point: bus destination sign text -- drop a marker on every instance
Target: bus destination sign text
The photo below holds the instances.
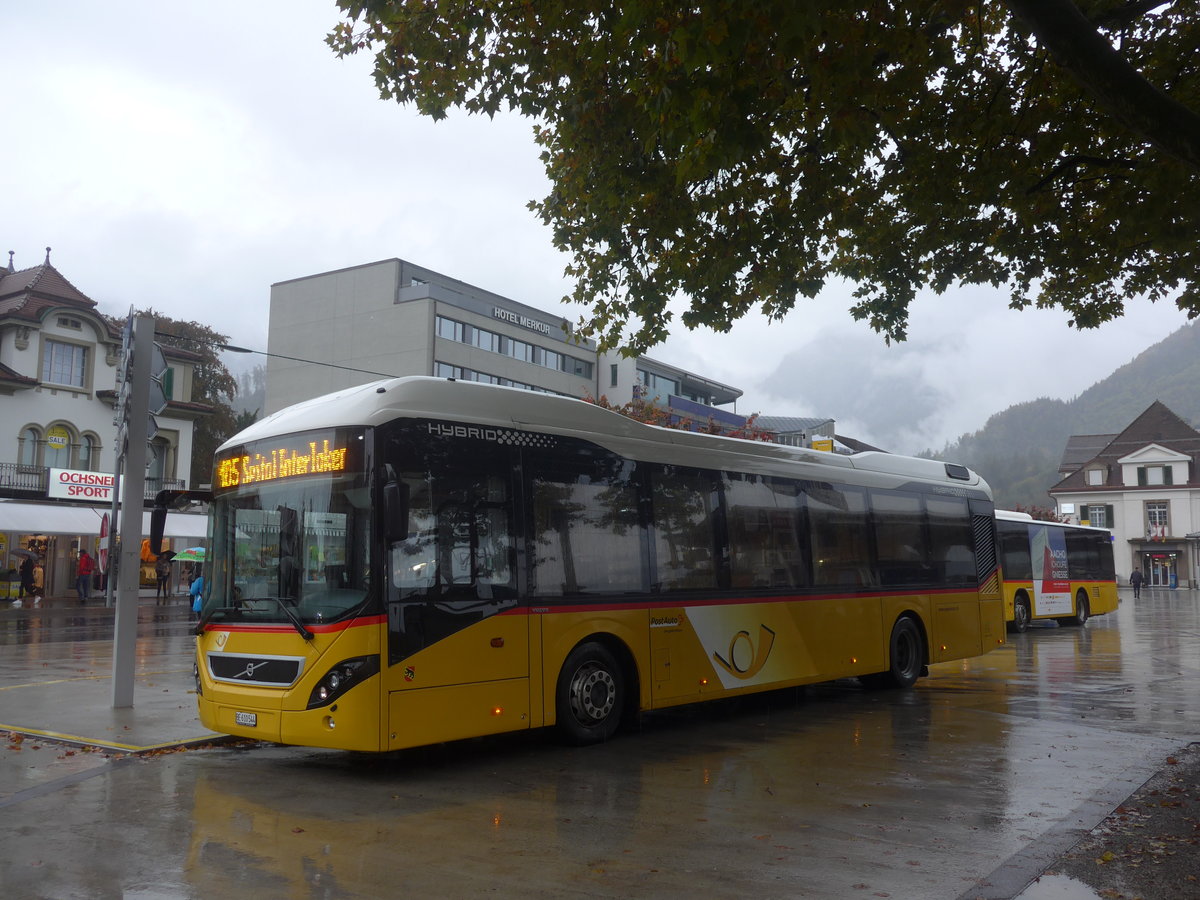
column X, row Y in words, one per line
column 279, row 464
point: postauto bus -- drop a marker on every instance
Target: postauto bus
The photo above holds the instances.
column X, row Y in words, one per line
column 420, row 560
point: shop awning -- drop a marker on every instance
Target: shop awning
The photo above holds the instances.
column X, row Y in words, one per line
column 60, row 518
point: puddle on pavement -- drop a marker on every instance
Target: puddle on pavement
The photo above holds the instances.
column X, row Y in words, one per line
column 1058, row 887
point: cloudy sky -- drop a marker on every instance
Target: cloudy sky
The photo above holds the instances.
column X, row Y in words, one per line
column 185, row 157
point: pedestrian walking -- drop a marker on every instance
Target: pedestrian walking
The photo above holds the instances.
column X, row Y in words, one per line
column 83, row 576
column 26, row 572
column 39, row 581
column 1136, row 580
column 162, row 570
column 197, row 593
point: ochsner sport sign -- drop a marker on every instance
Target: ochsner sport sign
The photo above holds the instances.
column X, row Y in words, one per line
column 73, row 484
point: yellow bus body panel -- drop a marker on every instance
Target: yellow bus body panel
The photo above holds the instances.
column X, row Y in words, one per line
column 501, row 674
column 450, row 713
column 1102, row 598
column 473, row 682
column 352, row 722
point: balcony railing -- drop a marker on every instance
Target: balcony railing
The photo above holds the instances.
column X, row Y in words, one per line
column 17, row 480
column 15, row 477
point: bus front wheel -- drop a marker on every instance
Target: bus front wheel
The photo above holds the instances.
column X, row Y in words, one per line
column 1021, row 615
column 906, row 657
column 590, row 698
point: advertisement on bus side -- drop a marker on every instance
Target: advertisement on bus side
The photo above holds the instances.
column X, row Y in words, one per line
column 1051, row 577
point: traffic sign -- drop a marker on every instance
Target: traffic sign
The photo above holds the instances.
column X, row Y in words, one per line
column 103, row 553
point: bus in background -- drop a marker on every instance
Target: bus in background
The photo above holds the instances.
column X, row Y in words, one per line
column 1053, row 571
column 420, row 560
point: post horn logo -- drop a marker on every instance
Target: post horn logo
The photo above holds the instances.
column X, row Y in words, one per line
column 746, row 661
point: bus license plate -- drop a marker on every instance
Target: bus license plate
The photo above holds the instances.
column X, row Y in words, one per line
column 245, row 718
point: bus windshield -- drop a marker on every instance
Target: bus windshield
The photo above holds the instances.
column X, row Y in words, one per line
column 290, row 536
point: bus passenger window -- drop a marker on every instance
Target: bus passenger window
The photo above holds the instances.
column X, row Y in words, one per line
column 837, row 518
column 763, row 516
column 586, row 534
column 684, row 501
column 952, row 540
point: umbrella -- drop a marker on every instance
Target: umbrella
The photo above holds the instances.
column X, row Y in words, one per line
column 191, row 554
column 17, row 551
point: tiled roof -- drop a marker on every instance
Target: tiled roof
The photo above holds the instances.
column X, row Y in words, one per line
column 789, row 424
column 26, row 293
column 8, row 376
column 1157, row 425
column 854, row 445
column 1082, row 447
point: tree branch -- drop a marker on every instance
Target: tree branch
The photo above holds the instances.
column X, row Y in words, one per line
column 1111, row 80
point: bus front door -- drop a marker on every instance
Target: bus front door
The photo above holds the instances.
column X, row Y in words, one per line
column 458, row 654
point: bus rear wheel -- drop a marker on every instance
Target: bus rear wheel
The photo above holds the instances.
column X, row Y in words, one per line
column 1021, row 615
column 590, row 698
column 1082, row 611
column 906, row 657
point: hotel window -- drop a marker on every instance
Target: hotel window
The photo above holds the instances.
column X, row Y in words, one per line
column 521, row 350
column 64, row 364
column 485, row 340
column 450, row 330
column 657, row 385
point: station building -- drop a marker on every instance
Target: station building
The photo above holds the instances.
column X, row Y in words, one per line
column 1142, row 484
column 392, row 317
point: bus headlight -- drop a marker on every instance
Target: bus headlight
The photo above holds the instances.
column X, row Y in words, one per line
column 341, row 677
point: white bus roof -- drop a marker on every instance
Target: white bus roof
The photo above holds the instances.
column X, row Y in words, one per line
column 1009, row 515
column 466, row 401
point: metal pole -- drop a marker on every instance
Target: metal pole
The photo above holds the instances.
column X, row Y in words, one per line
column 129, row 569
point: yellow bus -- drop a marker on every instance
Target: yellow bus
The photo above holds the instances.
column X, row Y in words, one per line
column 1054, row 572
column 421, row 560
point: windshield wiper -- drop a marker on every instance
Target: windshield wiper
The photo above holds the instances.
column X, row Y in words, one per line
column 294, row 619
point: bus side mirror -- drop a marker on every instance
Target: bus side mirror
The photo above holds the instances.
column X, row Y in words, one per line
column 158, row 524
column 395, row 510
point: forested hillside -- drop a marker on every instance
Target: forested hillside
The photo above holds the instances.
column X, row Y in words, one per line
column 1019, row 449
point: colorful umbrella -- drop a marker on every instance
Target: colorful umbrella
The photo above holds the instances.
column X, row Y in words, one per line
column 191, row 554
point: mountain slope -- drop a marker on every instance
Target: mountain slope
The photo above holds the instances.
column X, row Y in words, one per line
column 1018, row 449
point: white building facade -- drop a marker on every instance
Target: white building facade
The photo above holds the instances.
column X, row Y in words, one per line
column 1144, row 486
column 58, row 368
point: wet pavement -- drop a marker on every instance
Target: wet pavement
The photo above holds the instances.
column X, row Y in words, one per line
column 56, row 675
column 969, row 786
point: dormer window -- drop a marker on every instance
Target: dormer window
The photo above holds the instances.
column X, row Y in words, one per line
column 1095, row 476
column 1151, row 475
column 69, row 322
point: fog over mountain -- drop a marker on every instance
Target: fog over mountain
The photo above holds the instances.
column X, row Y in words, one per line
column 1019, row 449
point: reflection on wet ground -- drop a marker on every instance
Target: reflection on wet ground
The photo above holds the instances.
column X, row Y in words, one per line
column 87, row 623
column 966, row 787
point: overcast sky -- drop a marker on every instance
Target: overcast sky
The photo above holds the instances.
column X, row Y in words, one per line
column 186, row 156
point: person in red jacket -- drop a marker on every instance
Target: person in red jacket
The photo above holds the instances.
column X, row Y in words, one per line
column 83, row 576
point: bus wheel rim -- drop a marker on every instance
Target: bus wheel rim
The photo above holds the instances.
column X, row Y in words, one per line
column 593, row 693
